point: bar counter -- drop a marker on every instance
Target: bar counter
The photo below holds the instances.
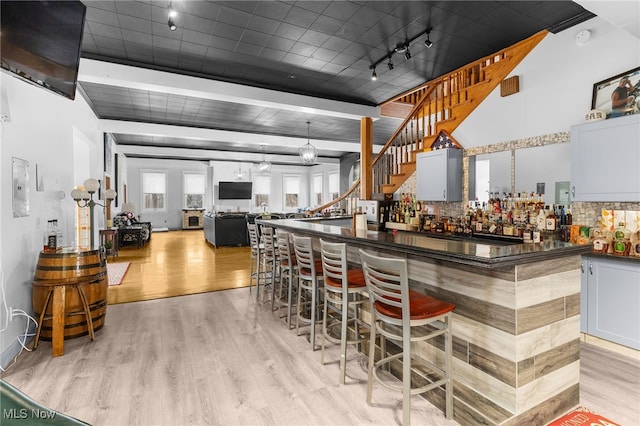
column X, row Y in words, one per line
column 516, row 325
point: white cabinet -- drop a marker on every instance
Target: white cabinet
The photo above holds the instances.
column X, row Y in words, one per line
column 605, row 160
column 439, row 175
column 610, row 300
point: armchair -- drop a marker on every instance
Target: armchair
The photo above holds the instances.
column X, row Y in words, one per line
column 130, row 229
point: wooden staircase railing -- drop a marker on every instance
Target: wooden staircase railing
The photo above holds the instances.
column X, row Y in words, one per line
column 440, row 104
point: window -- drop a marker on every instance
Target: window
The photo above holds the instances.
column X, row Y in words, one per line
column 291, row 186
column 317, row 188
column 154, row 190
column 334, row 185
column 193, row 187
column 262, row 190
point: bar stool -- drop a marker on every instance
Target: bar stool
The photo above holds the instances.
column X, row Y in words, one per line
column 56, row 297
column 343, row 291
column 405, row 316
column 257, row 251
column 287, row 272
column 269, row 261
column 309, row 277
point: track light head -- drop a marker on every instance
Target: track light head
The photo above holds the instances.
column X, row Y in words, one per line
column 428, row 43
column 407, row 53
column 171, row 24
column 374, row 76
column 390, row 63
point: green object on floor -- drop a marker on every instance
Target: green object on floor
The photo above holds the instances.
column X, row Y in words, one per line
column 18, row 409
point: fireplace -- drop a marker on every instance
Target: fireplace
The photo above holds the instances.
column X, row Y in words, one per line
column 192, row 218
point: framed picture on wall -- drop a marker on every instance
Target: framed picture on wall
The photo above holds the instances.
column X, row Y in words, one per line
column 618, row 95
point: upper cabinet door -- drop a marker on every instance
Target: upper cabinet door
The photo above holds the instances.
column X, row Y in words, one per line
column 605, row 160
column 439, row 175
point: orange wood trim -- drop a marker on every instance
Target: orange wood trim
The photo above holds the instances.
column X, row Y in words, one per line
column 366, row 155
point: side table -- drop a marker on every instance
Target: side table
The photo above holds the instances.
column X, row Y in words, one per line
column 109, row 240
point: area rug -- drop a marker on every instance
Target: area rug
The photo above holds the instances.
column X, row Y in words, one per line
column 582, row 416
column 116, row 272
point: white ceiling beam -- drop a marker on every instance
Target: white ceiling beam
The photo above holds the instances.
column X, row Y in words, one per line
column 214, row 155
column 241, row 139
column 108, row 73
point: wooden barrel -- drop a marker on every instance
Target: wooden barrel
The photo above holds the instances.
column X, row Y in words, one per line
column 60, row 268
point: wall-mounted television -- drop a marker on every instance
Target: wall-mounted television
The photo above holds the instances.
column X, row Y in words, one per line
column 234, row 190
column 41, row 42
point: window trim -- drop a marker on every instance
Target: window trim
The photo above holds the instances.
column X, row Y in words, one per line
column 284, row 194
column 143, row 208
column 184, row 194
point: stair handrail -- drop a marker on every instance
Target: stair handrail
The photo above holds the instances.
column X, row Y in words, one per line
column 428, row 89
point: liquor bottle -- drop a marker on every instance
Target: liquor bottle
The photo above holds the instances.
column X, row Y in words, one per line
column 550, row 221
column 50, row 238
column 58, row 232
column 541, row 220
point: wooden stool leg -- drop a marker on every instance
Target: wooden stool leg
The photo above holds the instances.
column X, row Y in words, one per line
column 57, row 335
column 41, row 320
column 87, row 311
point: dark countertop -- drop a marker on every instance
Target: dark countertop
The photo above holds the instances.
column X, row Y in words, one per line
column 630, row 259
column 469, row 252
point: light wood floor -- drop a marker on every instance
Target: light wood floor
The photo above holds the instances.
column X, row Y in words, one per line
column 176, row 263
column 220, row 358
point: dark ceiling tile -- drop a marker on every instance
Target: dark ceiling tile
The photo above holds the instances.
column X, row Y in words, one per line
column 342, row 10
column 254, row 37
column 326, row 25
column 314, row 38
column 231, row 32
column 196, row 37
column 336, row 43
column 135, row 24
column 197, row 50
column 233, row 16
column 272, row 54
column 263, row 25
column 301, row 17
column 289, row 31
column 272, row 9
column 198, row 24
column 248, row 49
column 303, row 49
column 324, row 54
column 106, row 17
column 133, row 8
column 101, row 30
column 136, row 37
column 279, row 43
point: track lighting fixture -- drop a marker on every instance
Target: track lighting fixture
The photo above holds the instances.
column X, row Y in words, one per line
column 407, row 53
column 171, row 12
column 428, row 43
column 401, row 48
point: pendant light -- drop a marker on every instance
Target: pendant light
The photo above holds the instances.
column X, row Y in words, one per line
column 308, row 153
column 239, row 173
column 264, row 166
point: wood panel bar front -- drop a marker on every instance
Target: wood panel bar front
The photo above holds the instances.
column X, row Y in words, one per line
column 516, row 325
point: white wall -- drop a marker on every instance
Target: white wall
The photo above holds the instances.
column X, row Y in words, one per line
column 556, row 83
column 222, row 171
column 172, row 217
column 41, row 131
